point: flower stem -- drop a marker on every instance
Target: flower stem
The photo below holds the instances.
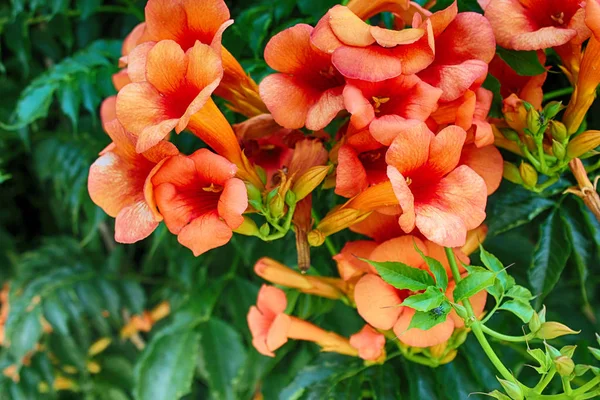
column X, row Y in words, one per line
column 558, row 93
column 476, row 325
column 507, row 338
column 546, row 379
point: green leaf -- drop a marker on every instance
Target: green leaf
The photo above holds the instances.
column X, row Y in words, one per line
column 493, row 85
column 70, row 100
column 472, row 284
column 550, row 256
column 520, row 308
column 512, row 206
column 428, row 300
column 88, row 7
column 222, row 356
column 428, row 319
column 436, row 268
column 525, row 63
column 493, row 264
column 402, row 276
column 463, row 5
column 166, row 367
column 519, row 292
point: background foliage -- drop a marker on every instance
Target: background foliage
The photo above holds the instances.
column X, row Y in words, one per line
column 57, row 251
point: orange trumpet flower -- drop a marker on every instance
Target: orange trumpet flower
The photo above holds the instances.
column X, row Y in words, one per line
column 348, row 262
column 307, row 91
column 440, row 199
column 119, row 181
column 527, row 88
column 200, row 199
column 369, row 343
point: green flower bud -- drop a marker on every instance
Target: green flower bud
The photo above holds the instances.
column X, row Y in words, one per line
column 568, row 351
column 265, row 229
column 512, row 389
column 564, row 365
column 559, row 150
column 290, row 198
column 528, row 174
column 595, row 352
column 552, row 330
column 533, row 121
column 511, row 173
column 510, row 134
column 552, row 351
column 276, row 206
column 552, row 109
column 248, row 227
column 558, row 130
column 535, row 323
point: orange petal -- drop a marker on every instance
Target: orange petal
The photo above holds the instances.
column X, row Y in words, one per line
column 468, row 37
column 349, row 28
column 361, row 109
column 445, row 150
column 406, row 199
column 233, row 202
column 385, row 129
column 419, row 338
column 205, row 18
column 134, row 222
column 377, row 302
column 455, row 80
column 441, row 19
column 451, row 207
column 288, row 99
column 487, row 162
column 278, row 333
column 329, row 104
column 120, row 79
column 212, row 168
column 369, row 343
column 166, row 65
column 348, row 262
column 371, row 63
column 351, row 177
column 136, row 64
column 323, row 37
column 379, row 227
column 108, row 110
column 271, row 301
column 205, row 233
column 400, row 249
column 410, row 149
column 290, row 50
column 392, row 38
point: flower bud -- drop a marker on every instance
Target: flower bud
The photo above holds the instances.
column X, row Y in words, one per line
column 513, row 390
column 552, row 351
column 309, row 181
column 160, row 311
column 552, row 330
column 568, row 350
column 276, row 206
column 99, row 346
column 265, row 229
column 535, row 323
column 510, row 134
column 511, row 173
column 315, row 238
column 533, row 121
column 449, row 357
column 595, row 352
column 583, row 143
column 515, row 113
column 528, row 174
column 93, row 367
column 438, row 350
column 559, row 150
column 247, row 228
column 564, row 365
column 558, row 130
column 254, row 196
column 552, row 109
column 460, row 337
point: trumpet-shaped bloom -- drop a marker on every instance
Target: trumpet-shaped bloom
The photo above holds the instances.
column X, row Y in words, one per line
column 379, row 227
column 487, row 162
column 535, row 24
column 370, row 53
column 119, row 182
column 422, row 338
column 377, row 104
column 200, row 199
column 528, row 88
column 369, row 343
column 348, row 262
column 267, row 334
column 307, row 90
column 463, row 51
column 378, row 302
column 168, row 92
column 440, row 199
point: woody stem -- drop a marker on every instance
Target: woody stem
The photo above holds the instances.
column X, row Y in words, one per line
column 476, row 324
column 587, row 190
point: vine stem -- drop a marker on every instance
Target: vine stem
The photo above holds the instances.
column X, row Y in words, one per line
column 558, row 93
column 476, row 326
column 507, row 338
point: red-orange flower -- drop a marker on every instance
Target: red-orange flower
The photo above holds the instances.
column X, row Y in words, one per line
column 535, row 24
column 422, row 338
column 171, row 90
column 307, row 91
column 348, row 262
column 486, row 161
column 370, row 53
column 200, row 199
column 119, row 182
column 440, row 199
column 369, row 343
column 528, row 88
column 377, row 104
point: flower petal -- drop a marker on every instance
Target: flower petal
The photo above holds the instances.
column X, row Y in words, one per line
column 233, row 202
column 407, row 219
column 445, row 150
column 204, row 233
column 288, row 99
column 371, row 63
column 351, row 177
column 400, row 249
column 166, row 66
column 410, row 149
column 329, row 104
column 419, row 338
column 377, row 302
column 134, row 222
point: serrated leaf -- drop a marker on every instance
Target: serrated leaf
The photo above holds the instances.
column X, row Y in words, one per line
column 524, row 63
column 520, row 308
column 519, row 292
column 166, row 367
column 428, row 300
column 436, row 268
column 222, row 356
column 550, row 257
column 402, row 276
column 428, row 319
column 472, row 284
column 492, row 263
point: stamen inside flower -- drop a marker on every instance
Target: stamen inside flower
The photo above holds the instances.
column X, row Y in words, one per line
column 559, row 18
column 213, row 188
column 378, row 101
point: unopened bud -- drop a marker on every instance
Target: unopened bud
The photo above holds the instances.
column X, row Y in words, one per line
column 99, row 346
column 449, row 357
column 552, row 330
column 552, row 109
column 552, row 351
column 290, row 198
column 512, row 389
column 559, row 150
column 247, row 228
column 160, row 311
column 564, row 365
column 93, row 367
column 460, row 337
column 254, row 196
column 595, row 352
column 533, row 121
column 309, row 181
column 315, row 238
column 276, row 206
column 535, row 323
column 510, row 134
column 528, row 174
column 511, row 173
column 438, row 350
column 265, row 229
column 583, row 143
column 558, row 130
column 568, row 350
